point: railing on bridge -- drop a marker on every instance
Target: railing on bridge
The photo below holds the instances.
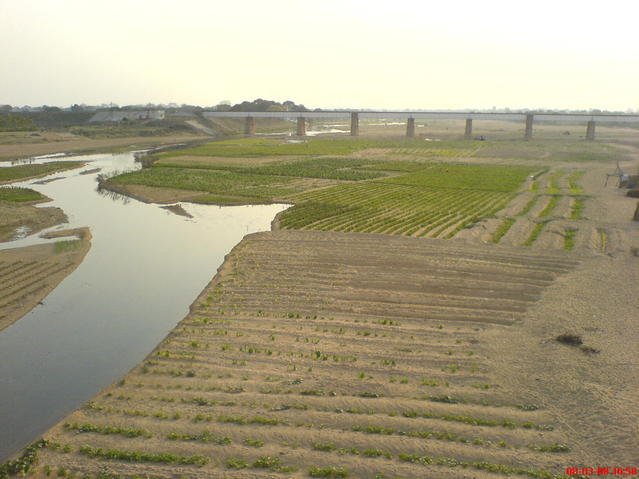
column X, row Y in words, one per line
column 411, row 116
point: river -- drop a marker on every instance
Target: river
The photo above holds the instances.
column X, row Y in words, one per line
column 145, row 267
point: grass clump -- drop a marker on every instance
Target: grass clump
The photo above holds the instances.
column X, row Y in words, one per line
column 272, row 463
column 66, row 246
column 528, row 206
column 575, row 189
column 236, row 463
column 502, row 230
column 569, row 239
column 577, row 208
column 324, row 446
column 556, row 447
column 328, row 471
column 24, row 463
column 534, row 234
column 552, row 204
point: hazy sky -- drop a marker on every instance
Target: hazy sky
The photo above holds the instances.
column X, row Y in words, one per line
column 349, row 53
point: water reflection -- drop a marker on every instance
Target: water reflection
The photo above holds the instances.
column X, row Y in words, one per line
column 112, row 195
column 145, row 267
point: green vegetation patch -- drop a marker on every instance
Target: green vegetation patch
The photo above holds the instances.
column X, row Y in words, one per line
column 19, row 195
column 505, row 226
column 526, row 209
column 569, row 239
column 217, row 182
column 11, row 122
column 66, row 246
column 550, row 206
column 575, row 189
column 490, row 178
column 253, row 147
column 22, row 465
column 328, row 168
column 534, row 234
column 577, row 208
column 437, row 202
column 328, row 471
column 13, row 173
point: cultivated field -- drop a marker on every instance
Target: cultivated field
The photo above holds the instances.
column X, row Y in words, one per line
column 426, row 309
column 328, row 355
column 540, row 193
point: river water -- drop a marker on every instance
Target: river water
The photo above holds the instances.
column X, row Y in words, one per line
column 145, row 267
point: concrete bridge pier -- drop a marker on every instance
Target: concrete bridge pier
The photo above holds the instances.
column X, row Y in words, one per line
column 249, row 126
column 410, row 128
column 529, row 126
column 590, row 131
column 469, row 129
column 301, row 126
column 354, row 124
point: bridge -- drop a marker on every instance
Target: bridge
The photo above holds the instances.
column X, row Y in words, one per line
column 528, row 119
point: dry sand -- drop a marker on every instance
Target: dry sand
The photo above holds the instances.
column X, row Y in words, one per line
column 29, row 274
column 304, row 336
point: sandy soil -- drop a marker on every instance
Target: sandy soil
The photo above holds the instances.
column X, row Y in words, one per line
column 311, row 337
column 28, row 275
column 77, row 144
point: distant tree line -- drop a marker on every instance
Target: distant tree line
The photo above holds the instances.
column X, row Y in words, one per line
column 10, row 122
column 262, row 105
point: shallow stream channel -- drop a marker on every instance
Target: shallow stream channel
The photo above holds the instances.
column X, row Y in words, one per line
column 145, row 267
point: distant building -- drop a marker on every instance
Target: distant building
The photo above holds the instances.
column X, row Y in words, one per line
column 105, row 116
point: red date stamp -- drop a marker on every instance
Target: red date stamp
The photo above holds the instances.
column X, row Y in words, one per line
column 601, row 471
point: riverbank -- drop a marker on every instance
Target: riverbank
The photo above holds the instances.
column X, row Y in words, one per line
column 29, row 274
column 76, row 145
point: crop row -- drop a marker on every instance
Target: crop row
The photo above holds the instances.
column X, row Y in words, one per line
column 392, row 209
column 326, row 168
